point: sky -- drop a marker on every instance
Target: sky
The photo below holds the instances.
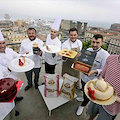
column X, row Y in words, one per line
column 83, row 10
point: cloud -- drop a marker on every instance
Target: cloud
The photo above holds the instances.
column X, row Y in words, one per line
column 97, row 10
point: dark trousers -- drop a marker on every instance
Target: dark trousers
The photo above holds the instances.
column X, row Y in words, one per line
column 86, row 99
column 49, row 68
column 36, row 75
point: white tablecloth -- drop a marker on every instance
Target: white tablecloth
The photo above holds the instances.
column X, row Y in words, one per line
column 5, row 109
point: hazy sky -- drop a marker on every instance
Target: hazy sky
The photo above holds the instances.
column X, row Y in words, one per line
column 95, row 10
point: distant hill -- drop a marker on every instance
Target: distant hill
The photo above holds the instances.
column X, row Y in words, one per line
column 115, row 27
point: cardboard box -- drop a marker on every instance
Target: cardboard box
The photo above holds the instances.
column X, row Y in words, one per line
column 85, row 61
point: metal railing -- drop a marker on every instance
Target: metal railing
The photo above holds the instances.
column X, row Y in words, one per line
column 111, row 48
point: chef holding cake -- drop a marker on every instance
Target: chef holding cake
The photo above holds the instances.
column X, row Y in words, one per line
column 7, row 55
column 35, row 46
column 111, row 74
column 97, row 67
column 6, row 108
column 52, row 39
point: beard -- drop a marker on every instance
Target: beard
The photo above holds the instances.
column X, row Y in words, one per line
column 32, row 38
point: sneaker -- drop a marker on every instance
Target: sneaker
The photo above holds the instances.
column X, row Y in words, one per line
column 79, row 110
column 80, row 99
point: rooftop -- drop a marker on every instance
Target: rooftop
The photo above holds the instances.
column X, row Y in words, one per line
column 33, row 107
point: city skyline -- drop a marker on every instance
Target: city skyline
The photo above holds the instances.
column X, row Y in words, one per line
column 81, row 10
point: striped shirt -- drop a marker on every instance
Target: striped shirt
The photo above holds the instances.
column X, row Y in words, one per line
column 111, row 74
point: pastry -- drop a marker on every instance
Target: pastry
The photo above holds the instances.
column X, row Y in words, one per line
column 81, row 67
column 99, row 89
column 48, row 48
column 20, row 62
column 23, row 58
column 71, row 52
column 7, row 89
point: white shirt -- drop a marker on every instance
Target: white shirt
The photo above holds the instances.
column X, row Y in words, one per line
column 68, row 44
column 27, row 46
column 48, row 56
column 98, row 64
column 5, row 108
column 8, row 56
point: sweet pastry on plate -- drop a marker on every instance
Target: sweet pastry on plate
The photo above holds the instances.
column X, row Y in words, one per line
column 20, row 62
column 100, row 90
column 7, row 89
column 48, row 48
column 71, row 52
column 23, row 58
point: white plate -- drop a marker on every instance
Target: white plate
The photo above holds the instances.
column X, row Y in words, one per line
column 53, row 48
column 27, row 55
column 14, row 65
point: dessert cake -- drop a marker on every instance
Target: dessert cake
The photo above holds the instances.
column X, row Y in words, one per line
column 99, row 89
column 20, row 61
column 7, row 89
column 48, row 48
column 82, row 67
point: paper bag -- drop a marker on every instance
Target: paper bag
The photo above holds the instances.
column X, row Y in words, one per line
column 51, row 85
column 68, row 87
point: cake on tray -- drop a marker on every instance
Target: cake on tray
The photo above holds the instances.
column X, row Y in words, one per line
column 7, row 89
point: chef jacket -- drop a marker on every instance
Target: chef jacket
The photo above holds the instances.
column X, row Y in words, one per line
column 48, row 56
column 27, row 46
column 98, row 64
column 5, row 108
column 68, row 44
column 8, row 56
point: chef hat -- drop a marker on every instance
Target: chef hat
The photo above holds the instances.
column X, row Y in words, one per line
column 1, row 36
column 56, row 24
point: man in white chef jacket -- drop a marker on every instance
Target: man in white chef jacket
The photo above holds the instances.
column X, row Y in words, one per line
column 6, row 112
column 7, row 55
column 100, row 59
column 52, row 39
column 27, row 46
column 71, row 44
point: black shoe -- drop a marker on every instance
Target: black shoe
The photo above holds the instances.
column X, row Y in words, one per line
column 27, row 87
column 43, row 83
column 18, row 98
column 36, row 86
column 16, row 113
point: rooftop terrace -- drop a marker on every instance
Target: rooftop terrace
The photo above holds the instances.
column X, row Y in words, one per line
column 33, row 107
